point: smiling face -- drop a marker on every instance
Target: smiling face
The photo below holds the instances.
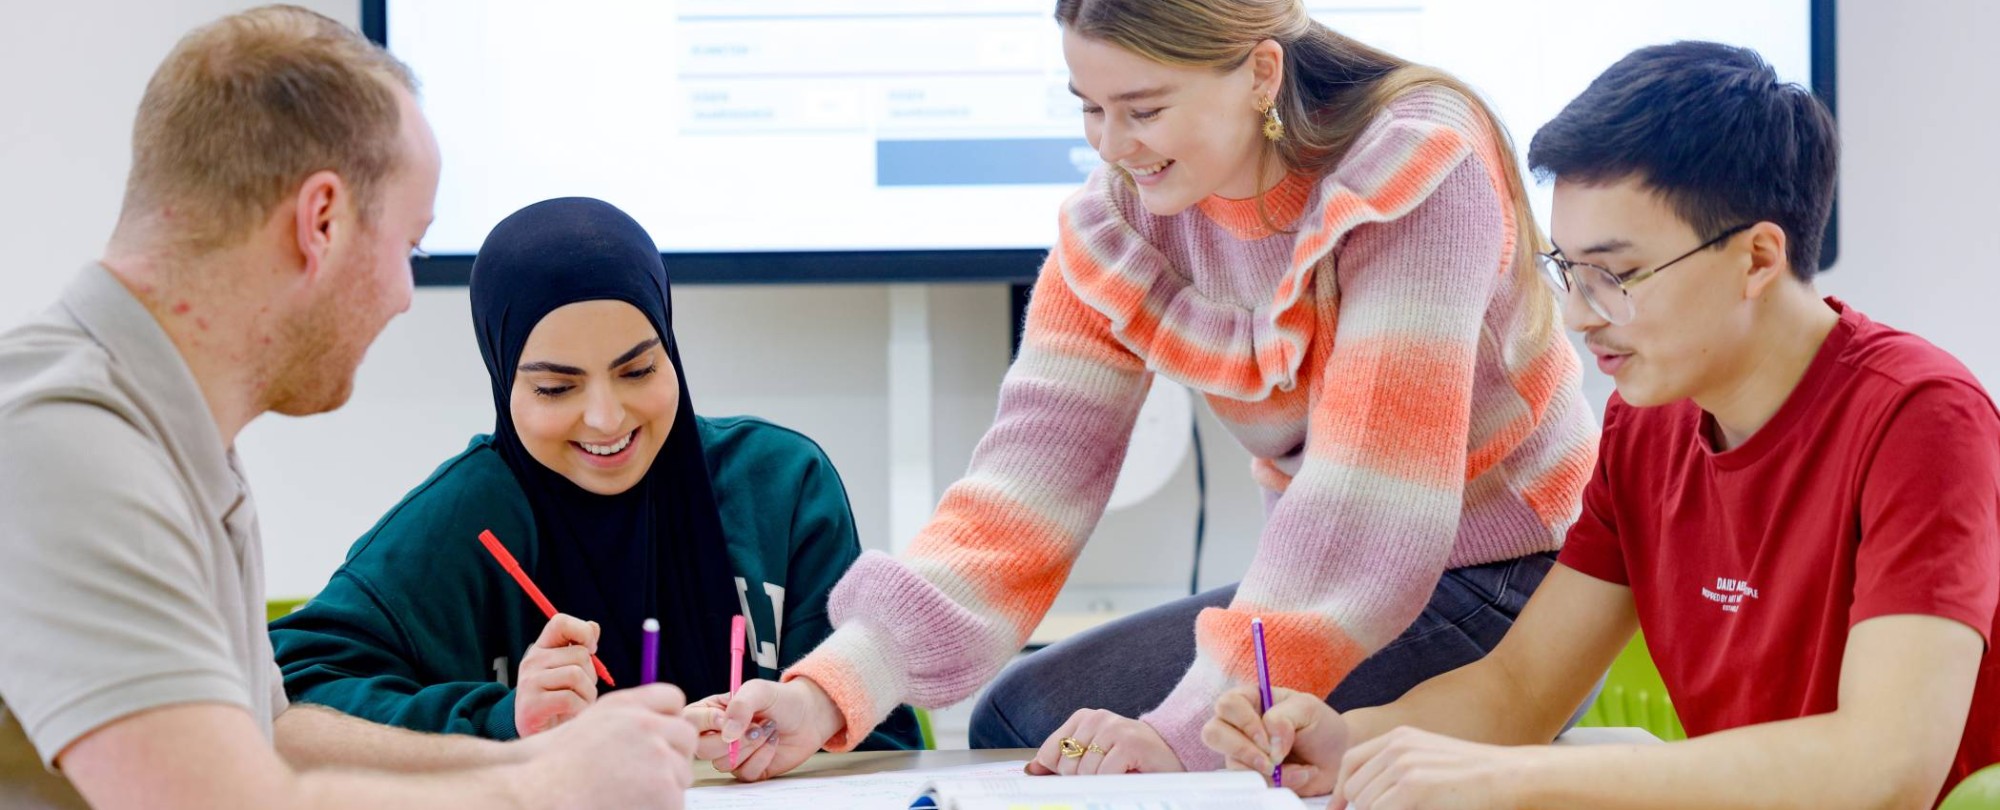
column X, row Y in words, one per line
column 1183, row 133
column 595, row 395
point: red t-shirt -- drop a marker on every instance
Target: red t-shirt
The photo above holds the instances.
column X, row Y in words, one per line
column 1874, row 491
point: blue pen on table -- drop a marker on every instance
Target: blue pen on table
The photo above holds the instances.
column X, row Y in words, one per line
column 649, row 651
column 1264, row 686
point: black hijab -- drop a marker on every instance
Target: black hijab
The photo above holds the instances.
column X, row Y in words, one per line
column 656, row 550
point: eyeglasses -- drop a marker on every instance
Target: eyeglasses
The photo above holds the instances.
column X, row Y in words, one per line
column 1609, row 295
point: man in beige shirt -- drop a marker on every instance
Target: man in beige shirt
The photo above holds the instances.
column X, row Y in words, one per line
column 282, row 174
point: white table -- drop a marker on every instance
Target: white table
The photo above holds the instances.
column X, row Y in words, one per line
column 861, row 762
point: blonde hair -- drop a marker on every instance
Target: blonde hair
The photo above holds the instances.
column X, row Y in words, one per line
column 1333, row 87
column 246, row 107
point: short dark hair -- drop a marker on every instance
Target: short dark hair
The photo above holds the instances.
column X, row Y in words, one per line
column 1714, row 131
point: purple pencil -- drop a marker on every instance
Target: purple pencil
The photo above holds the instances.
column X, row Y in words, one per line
column 1264, row 686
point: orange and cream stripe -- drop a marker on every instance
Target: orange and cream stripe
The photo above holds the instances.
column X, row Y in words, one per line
column 1376, row 362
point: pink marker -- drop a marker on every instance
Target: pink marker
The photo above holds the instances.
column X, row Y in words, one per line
column 735, row 672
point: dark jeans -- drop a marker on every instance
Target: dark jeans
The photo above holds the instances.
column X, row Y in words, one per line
column 1129, row 666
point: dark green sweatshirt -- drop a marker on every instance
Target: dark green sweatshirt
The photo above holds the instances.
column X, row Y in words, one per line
column 420, row 628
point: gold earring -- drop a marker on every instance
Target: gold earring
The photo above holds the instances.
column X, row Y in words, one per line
column 1274, row 127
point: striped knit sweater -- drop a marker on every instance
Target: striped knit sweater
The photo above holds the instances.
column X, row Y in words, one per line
column 1407, row 405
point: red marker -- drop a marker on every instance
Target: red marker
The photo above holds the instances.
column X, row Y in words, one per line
column 506, row 561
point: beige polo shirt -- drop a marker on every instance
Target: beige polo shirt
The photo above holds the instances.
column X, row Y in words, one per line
column 131, row 573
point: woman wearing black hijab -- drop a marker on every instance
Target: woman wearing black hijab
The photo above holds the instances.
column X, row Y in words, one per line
column 616, row 499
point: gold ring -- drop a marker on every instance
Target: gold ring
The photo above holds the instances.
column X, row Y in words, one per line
column 1094, row 748
column 1071, row 749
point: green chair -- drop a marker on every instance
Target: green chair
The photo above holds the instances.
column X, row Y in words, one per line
column 276, row 608
column 1980, row 791
column 924, row 726
column 1634, row 695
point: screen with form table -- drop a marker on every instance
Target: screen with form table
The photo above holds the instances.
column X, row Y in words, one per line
column 829, row 126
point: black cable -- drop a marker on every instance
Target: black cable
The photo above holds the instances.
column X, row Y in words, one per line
column 1201, row 503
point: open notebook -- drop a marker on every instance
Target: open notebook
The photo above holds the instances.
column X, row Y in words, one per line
column 1220, row 790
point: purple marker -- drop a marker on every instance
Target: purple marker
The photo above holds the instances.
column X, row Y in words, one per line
column 1264, row 686
column 649, row 653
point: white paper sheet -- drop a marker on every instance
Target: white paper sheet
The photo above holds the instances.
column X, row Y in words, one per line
column 891, row 790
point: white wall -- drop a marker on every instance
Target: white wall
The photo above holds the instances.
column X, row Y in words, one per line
column 1920, row 191
column 1919, row 251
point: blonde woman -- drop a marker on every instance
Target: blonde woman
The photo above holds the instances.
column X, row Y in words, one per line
column 1333, row 246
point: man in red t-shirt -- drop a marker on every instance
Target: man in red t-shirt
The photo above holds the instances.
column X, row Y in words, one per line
column 1800, row 506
